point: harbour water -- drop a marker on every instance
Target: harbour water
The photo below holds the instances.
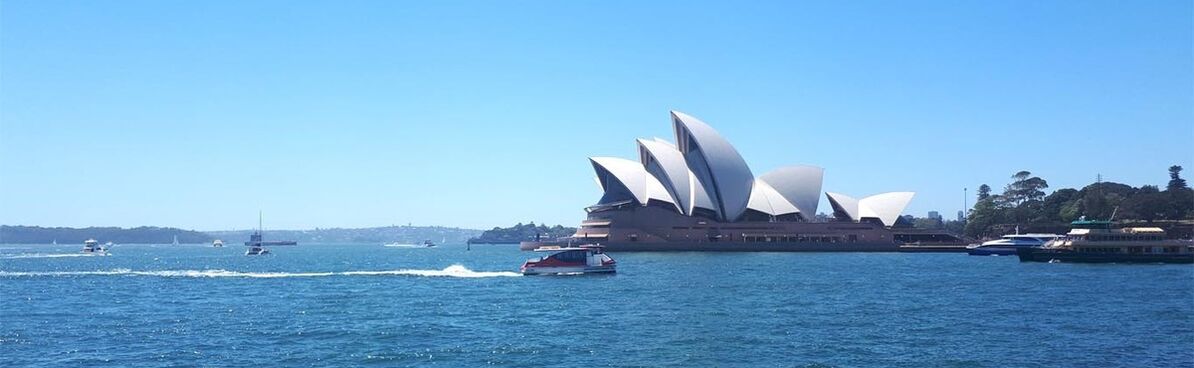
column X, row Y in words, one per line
column 365, row 304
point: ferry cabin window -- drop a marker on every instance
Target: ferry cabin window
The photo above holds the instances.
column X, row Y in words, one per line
column 571, row 256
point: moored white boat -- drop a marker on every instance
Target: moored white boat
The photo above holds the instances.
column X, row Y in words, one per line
column 1007, row 245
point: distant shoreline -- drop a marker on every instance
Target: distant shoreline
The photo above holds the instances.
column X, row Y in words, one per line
column 165, row 235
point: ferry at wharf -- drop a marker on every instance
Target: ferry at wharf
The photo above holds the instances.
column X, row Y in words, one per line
column 1098, row 242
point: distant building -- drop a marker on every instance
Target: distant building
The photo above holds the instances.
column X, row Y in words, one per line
column 961, row 215
column 934, row 215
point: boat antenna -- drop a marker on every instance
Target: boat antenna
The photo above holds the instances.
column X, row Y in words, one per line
column 260, row 222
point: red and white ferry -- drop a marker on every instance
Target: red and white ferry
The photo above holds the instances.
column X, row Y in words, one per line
column 570, row 260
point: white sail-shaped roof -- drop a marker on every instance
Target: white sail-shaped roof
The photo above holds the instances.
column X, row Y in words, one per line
column 667, row 164
column 887, row 207
column 716, row 164
column 699, row 197
column 843, row 204
column 765, row 199
column 620, row 178
column 799, row 184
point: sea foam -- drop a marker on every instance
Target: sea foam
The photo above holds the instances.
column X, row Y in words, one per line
column 60, row 255
column 450, row 271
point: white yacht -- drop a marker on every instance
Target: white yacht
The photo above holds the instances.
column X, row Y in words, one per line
column 1007, row 245
column 218, row 243
column 256, row 251
column 91, row 246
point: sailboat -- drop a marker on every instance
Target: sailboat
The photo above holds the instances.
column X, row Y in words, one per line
column 175, row 240
column 256, row 243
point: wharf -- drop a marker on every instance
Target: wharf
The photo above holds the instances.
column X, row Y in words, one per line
column 933, row 248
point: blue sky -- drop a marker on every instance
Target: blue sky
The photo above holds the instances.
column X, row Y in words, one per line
column 479, row 113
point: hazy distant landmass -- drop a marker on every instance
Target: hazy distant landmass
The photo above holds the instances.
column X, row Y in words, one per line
column 402, row 234
column 165, row 235
column 67, row 235
column 522, row 232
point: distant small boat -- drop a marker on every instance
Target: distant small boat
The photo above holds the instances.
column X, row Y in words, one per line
column 55, row 242
column 175, row 240
column 256, row 251
column 425, row 244
column 91, row 246
column 257, row 243
column 218, row 243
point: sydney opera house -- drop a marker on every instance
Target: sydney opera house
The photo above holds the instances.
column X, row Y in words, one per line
column 699, row 194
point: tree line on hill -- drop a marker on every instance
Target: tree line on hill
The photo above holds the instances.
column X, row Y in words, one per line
column 1024, row 203
column 67, row 235
column 165, row 235
column 386, row 234
column 522, row 232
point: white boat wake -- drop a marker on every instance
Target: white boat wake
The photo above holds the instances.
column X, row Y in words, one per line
column 450, row 271
column 61, row 255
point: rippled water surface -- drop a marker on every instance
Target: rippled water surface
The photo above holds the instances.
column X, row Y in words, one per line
column 352, row 305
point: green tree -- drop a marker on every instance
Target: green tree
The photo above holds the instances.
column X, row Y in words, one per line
column 1147, row 204
column 1024, row 187
column 985, row 215
column 1179, row 196
column 1052, row 208
column 984, row 192
column 1100, row 200
column 1176, row 182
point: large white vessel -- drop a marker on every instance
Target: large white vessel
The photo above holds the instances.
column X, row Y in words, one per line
column 1007, row 245
column 1092, row 241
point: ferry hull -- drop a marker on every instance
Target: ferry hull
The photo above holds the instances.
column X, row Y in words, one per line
column 567, row 270
column 992, row 251
column 732, row 247
column 1065, row 256
column 750, row 247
